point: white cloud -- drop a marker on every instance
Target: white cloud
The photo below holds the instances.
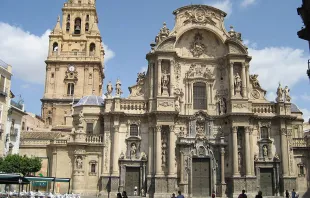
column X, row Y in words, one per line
column 246, row 3
column 27, row 52
column 25, row 86
column 305, row 97
column 278, row 64
column 271, row 96
column 109, row 54
column 224, row 5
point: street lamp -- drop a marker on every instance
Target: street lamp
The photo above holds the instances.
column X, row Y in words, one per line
column 19, row 182
column 308, row 71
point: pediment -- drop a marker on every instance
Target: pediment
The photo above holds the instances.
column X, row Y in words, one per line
column 236, row 48
column 166, row 45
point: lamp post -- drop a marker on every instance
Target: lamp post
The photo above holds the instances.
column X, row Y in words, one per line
column 19, row 182
column 308, row 71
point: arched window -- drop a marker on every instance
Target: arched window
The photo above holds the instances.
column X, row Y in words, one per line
column 134, row 131
column 77, row 26
column 92, row 49
column 87, row 17
column 199, row 95
column 49, row 122
column 55, row 47
column 68, row 18
column 264, row 133
column 70, row 89
column 68, row 27
column 86, row 27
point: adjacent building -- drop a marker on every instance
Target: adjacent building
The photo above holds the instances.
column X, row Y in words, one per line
column 196, row 121
column 5, row 98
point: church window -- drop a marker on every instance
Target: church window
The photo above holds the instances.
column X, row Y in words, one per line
column 92, row 49
column 200, row 96
column 93, row 168
column 89, row 128
column 68, row 18
column 86, row 27
column 52, row 75
column 77, row 26
column 134, row 131
column 68, row 27
column 55, row 47
column 301, row 170
column 70, row 90
column 49, row 121
column 87, row 17
column 264, row 133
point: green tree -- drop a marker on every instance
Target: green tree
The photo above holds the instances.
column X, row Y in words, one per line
column 20, row 164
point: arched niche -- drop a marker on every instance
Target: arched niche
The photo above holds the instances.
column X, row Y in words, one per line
column 200, row 43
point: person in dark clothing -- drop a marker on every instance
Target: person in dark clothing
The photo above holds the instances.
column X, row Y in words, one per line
column 125, row 194
column 293, row 194
column 180, row 195
column 243, row 195
column 119, row 195
column 259, row 195
column 173, row 195
column 287, row 194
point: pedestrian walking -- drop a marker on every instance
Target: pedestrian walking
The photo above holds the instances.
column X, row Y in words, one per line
column 293, row 194
column 125, row 194
column 119, row 195
column 259, row 195
column 287, row 194
column 180, row 195
column 173, row 195
column 243, row 195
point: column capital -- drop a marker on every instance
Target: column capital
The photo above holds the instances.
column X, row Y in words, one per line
column 234, row 129
column 159, row 61
column 243, row 64
column 171, row 127
column 158, row 128
column 116, row 128
column 222, row 151
column 283, row 131
column 231, row 64
column 247, row 129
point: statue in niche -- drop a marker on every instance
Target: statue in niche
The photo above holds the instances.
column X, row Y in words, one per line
column 222, row 106
column 133, row 151
column 118, row 88
column 79, row 162
column 197, row 47
column 239, row 161
column 109, row 89
column 265, row 151
column 200, row 131
column 81, row 116
column 279, row 94
column 177, row 104
column 237, row 83
column 165, row 83
column 164, row 153
column 287, row 96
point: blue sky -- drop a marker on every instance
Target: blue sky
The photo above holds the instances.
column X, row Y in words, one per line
column 128, row 27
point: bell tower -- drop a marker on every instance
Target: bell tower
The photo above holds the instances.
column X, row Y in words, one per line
column 74, row 66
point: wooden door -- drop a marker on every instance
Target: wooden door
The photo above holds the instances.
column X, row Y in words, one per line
column 201, row 180
column 132, row 180
column 266, row 181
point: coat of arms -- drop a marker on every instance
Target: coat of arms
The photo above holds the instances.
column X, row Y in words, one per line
column 197, row 47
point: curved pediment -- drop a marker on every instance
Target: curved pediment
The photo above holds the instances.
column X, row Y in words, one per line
column 199, row 43
column 167, row 44
column 236, row 47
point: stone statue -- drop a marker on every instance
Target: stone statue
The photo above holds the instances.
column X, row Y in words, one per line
column 165, row 80
column 197, row 47
column 133, row 151
column 239, row 161
column 118, row 88
column 237, row 83
column 222, row 106
column 255, row 81
column 79, row 162
column 143, row 156
column 81, row 116
column 109, row 89
column 255, row 157
column 279, row 94
column 164, row 154
column 287, row 97
column 177, row 104
column 276, row 157
column 265, row 151
column 142, row 192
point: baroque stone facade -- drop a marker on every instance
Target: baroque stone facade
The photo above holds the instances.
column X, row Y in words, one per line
column 196, row 121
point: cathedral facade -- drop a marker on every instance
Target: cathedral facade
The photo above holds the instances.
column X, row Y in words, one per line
column 196, row 121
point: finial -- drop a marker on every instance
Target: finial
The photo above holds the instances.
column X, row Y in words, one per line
column 164, row 24
column 58, row 19
column 232, row 28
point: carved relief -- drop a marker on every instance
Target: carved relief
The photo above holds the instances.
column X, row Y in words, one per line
column 199, row 71
column 177, row 74
column 239, row 106
column 255, row 94
column 197, row 48
column 167, row 45
column 138, row 89
column 199, row 16
column 164, row 148
column 165, row 104
column 79, row 162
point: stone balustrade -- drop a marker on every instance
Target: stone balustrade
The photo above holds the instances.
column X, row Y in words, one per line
column 96, row 139
column 264, row 108
column 58, row 142
column 133, row 106
column 299, row 142
column 35, row 142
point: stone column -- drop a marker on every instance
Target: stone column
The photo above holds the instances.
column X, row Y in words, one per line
column 181, row 167
column 171, row 78
column 247, row 67
column 244, row 85
column 159, row 77
column 115, row 170
column 223, row 165
column 247, row 152
column 151, row 79
column 231, row 79
column 251, row 152
column 284, row 151
column 151, row 154
column 158, row 170
column 236, row 172
column 172, row 146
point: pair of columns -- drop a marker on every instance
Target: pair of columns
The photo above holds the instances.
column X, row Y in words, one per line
column 155, row 151
column 244, row 79
column 247, row 149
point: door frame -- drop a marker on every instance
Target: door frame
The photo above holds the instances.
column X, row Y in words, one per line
column 275, row 166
